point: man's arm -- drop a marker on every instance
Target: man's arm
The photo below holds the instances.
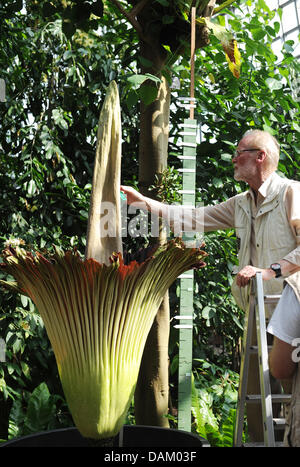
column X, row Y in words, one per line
column 201, row 219
column 291, row 262
column 245, row 274
column 143, row 202
column 281, row 361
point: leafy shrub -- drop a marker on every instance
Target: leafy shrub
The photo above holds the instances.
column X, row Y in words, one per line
column 214, row 398
column 38, row 411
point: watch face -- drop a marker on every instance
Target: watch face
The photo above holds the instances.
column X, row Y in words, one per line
column 276, row 268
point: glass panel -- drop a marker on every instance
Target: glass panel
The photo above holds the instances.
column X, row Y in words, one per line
column 272, row 4
column 277, row 20
column 298, row 10
column 276, row 47
column 289, row 25
column 294, row 37
column 289, row 17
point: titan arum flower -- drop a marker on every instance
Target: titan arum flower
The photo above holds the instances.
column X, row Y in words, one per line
column 98, row 310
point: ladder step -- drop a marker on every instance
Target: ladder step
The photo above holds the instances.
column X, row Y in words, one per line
column 278, row 444
column 269, row 299
column 254, row 348
column 255, row 317
column 279, row 423
column 254, row 398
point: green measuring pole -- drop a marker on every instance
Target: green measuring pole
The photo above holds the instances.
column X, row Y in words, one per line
column 187, row 279
column 185, row 317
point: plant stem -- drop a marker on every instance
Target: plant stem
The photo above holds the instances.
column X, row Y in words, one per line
column 101, row 443
column 224, row 5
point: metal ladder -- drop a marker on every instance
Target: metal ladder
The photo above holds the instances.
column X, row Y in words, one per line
column 256, row 312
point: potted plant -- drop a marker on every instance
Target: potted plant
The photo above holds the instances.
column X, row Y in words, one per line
column 98, row 310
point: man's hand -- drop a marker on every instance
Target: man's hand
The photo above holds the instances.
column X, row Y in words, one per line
column 133, row 196
column 245, row 274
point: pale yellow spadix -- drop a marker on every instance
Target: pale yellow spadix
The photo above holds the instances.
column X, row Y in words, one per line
column 102, row 240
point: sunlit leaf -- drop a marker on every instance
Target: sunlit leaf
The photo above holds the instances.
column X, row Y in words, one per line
column 229, row 45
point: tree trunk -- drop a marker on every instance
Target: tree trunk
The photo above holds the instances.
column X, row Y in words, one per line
column 152, row 391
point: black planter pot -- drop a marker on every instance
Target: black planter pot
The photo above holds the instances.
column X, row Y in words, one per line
column 131, row 436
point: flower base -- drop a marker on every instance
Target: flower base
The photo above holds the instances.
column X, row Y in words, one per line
column 130, row 436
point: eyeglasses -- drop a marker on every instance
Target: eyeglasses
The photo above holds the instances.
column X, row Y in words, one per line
column 238, row 152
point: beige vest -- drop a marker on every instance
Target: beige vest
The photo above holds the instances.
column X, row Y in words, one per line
column 292, row 430
column 273, row 234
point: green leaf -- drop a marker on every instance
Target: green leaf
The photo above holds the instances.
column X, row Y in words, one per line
column 31, row 187
column 25, row 370
column 137, row 80
column 276, row 26
column 288, row 47
column 163, row 2
column 57, row 115
column 228, row 427
column 131, row 99
column 219, row 31
column 269, row 129
column 273, row 84
column 16, row 419
column 201, row 409
column 17, row 345
column 262, row 4
column 296, row 127
column 226, row 157
column 167, row 19
column 208, row 312
column 218, row 183
column 237, row 321
column 148, row 94
column 258, row 34
column 24, row 300
column 40, row 409
column 145, row 62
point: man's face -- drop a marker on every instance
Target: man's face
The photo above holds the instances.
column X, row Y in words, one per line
column 244, row 161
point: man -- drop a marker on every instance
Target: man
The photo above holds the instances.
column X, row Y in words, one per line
column 285, row 356
column 267, row 223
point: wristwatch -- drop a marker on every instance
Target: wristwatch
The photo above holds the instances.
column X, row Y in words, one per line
column 277, row 269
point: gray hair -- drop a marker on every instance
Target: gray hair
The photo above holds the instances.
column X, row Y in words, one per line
column 265, row 141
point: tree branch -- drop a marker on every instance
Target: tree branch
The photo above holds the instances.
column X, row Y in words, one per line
column 138, row 7
column 131, row 16
column 223, row 5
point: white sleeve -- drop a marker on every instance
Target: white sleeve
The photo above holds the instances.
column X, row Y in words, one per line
column 195, row 219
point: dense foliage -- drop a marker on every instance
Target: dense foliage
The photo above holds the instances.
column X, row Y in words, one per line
column 55, row 77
